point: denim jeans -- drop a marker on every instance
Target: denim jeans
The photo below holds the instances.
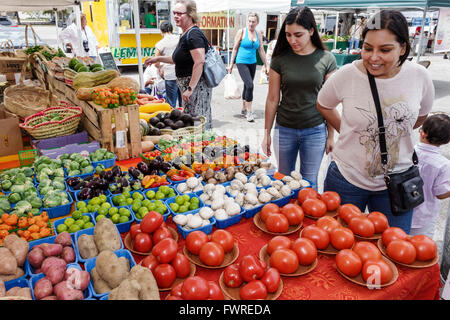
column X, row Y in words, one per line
column 172, row 93
column 308, row 143
column 374, row 200
column 354, row 43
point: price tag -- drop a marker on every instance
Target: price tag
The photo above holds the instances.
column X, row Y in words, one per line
column 108, row 61
column 120, row 139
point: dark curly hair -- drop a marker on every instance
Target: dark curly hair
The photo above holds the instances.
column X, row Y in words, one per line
column 437, row 129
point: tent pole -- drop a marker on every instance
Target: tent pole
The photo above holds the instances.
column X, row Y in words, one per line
column 78, row 21
column 228, row 37
column 422, row 32
column 336, row 30
column 56, row 25
column 137, row 28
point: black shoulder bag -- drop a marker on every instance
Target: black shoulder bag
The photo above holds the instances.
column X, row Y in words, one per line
column 405, row 188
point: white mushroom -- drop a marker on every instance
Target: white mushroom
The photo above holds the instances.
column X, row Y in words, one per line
column 205, row 223
column 241, row 177
column 221, row 214
column 206, row 213
column 195, row 222
column 217, row 203
column 264, row 197
column 287, row 179
column 260, row 172
column 192, row 182
column 304, row 183
column 240, row 199
column 296, row 175
column 236, row 185
column 234, row 193
column 265, row 180
column 220, row 188
column 180, row 219
column 232, row 208
column 251, row 198
column 209, row 188
column 294, row 184
column 285, row 191
column 182, row 187
column 204, row 197
column 198, row 188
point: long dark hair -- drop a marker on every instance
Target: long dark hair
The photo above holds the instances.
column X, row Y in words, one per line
column 304, row 17
column 396, row 23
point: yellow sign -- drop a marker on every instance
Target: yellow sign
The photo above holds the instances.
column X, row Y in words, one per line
column 215, row 21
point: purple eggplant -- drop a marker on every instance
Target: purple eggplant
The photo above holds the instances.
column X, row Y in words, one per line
column 109, row 176
column 102, row 184
column 116, row 171
column 154, row 164
column 135, row 173
column 80, row 185
column 154, row 172
column 165, row 166
column 143, row 167
column 73, row 181
column 85, row 194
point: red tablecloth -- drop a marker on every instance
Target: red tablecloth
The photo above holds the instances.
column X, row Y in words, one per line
column 324, row 282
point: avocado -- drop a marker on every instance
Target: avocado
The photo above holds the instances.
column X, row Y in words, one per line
column 178, row 124
column 175, row 114
column 187, row 119
column 160, row 125
column 154, row 132
column 153, row 121
column 168, row 122
column 161, row 116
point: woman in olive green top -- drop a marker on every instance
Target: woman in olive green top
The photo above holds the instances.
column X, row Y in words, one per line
column 299, row 67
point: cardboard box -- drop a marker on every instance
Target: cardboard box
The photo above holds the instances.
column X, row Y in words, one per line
column 10, row 134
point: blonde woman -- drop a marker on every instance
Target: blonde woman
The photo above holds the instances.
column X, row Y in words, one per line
column 189, row 59
column 246, row 43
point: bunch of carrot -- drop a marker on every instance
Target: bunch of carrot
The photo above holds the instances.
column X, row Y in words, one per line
column 126, row 96
column 27, row 227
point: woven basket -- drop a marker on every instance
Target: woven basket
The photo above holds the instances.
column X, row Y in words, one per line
column 69, row 74
column 186, row 131
column 68, row 125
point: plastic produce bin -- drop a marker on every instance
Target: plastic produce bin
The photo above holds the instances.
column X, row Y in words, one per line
column 108, row 163
column 56, row 223
column 90, row 264
column 124, row 226
column 172, row 200
column 60, row 211
column 21, row 282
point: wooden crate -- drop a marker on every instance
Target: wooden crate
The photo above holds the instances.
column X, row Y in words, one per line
column 97, row 121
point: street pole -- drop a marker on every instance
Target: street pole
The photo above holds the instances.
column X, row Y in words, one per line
column 56, row 25
column 336, row 30
column 137, row 28
column 78, row 21
column 422, row 31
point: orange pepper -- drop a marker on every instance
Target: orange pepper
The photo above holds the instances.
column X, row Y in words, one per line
column 23, row 222
column 44, row 216
column 12, row 220
column 41, row 223
column 32, row 220
column 27, row 234
column 45, row 232
column 5, row 227
column 34, row 228
column 171, row 172
column 35, row 235
column 3, row 234
column 5, row 216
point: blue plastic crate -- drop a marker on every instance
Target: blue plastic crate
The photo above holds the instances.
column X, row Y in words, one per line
column 297, row 190
column 90, row 232
column 222, row 224
column 250, row 213
column 30, row 270
column 87, row 293
column 82, row 176
column 172, row 200
column 21, row 282
column 124, row 226
column 60, row 210
column 206, row 229
column 283, row 201
column 56, row 223
column 108, row 163
column 90, row 264
column 165, row 215
column 77, row 192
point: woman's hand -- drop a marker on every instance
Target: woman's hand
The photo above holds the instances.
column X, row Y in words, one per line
column 267, row 141
column 265, row 69
column 230, row 68
column 329, row 145
column 186, row 96
column 151, row 60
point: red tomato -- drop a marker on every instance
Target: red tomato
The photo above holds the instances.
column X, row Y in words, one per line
column 426, row 248
column 224, row 238
column 285, row 260
column 278, row 242
column 319, row 236
column 348, row 211
column 376, row 272
column 306, row 251
column 142, row 242
column 171, row 297
column 150, row 262
column 366, row 251
column 314, row 207
column 181, row 265
column 271, row 280
column 379, row 220
column 393, row 233
column 342, row 238
column 166, row 250
column 151, row 221
column 176, row 290
column 276, row 222
column 268, row 208
column 212, row 254
column 307, row 193
column 195, row 288
column 294, row 213
column 348, row 262
column 231, row 276
column 362, row 226
column 331, row 199
column 134, row 230
column 161, row 233
column 327, row 223
column 251, row 268
column 214, row 291
column 195, row 240
column 253, row 290
column 165, row 275
column 402, row 251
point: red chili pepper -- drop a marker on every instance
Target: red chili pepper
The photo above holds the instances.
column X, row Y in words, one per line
column 236, row 160
column 176, row 177
column 246, row 155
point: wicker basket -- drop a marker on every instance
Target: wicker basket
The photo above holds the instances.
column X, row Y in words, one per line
column 68, row 125
column 69, row 74
column 186, row 131
column 25, row 101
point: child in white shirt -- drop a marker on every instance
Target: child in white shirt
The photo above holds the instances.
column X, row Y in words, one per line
column 435, row 172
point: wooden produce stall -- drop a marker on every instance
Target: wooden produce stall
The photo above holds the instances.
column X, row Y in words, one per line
column 100, row 123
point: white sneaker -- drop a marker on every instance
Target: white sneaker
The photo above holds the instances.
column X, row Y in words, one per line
column 250, row 117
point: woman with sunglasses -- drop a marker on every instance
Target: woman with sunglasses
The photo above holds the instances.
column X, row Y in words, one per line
column 406, row 95
column 246, row 43
column 299, row 66
column 189, row 59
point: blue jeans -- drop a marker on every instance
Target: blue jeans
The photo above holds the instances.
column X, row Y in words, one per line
column 172, row 93
column 374, row 200
column 308, row 143
column 354, row 43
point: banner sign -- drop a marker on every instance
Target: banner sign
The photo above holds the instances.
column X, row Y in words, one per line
column 442, row 39
column 215, row 20
column 131, row 52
